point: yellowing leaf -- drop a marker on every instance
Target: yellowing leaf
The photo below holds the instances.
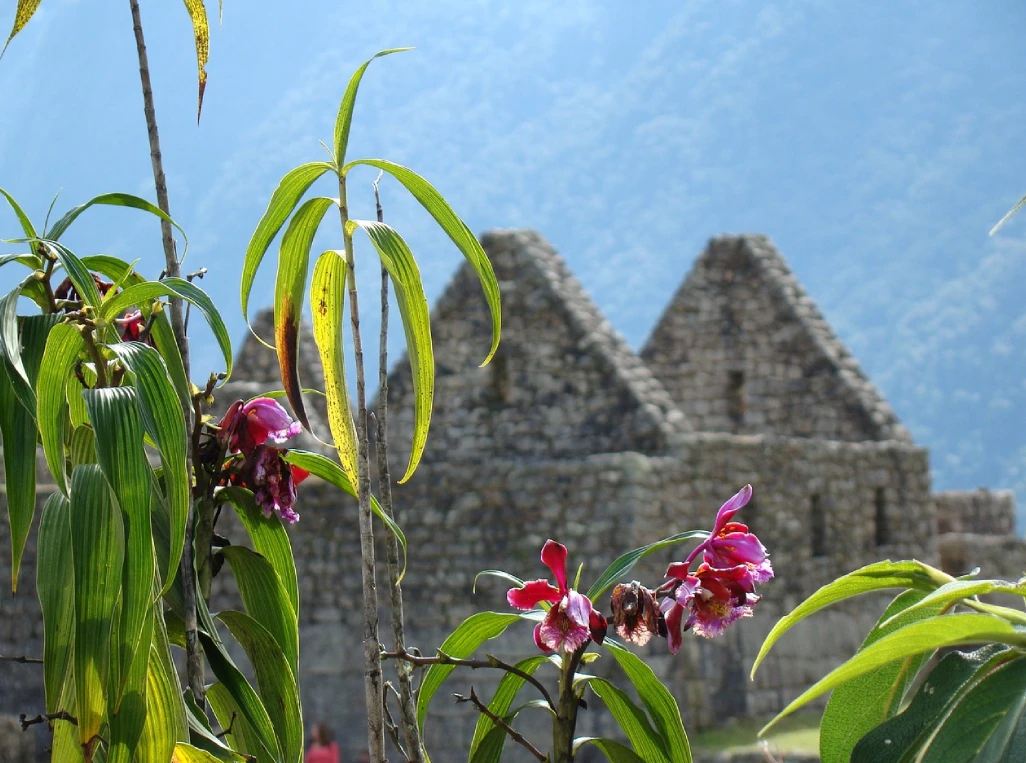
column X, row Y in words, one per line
column 201, row 31
column 21, row 17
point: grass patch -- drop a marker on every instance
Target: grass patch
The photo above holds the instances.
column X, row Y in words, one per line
column 798, row 733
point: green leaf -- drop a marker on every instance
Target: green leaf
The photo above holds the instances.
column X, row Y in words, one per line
column 21, row 17
column 284, row 199
column 633, row 721
column 79, row 274
column 914, row 639
column 97, row 544
column 1008, row 216
column 26, row 224
column 398, row 260
column 202, row 737
column 505, row 693
column 873, row 577
column 63, row 345
column 276, row 681
column 163, row 337
column 661, row 705
column 18, row 427
column 502, row 575
column 147, row 291
column 66, row 748
column 269, row 538
column 55, row 586
column 462, row 642
column 186, row 753
column 613, row 750
column 118, row 427
column 10, row 350
column 128, row 719
column 289, row 292
column 901, row 737
column 958, row 590
column 625, row 563
column 252, row 733
column 327, row 303
column 327, row 470
column 110, row 200
column 164, row 723
column 344, row 119
column 454, row 227
column 162, row 421
column 265, row 599
column 865, row 702
column 31, row 261
column 201, row 33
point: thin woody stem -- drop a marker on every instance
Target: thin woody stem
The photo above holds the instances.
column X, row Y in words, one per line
column 194, row 655
column 513, row 734
column 371, row 644
column 489, row 662
column 22, row 659
column 407, row 704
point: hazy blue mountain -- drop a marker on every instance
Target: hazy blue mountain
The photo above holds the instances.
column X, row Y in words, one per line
column 876, row 144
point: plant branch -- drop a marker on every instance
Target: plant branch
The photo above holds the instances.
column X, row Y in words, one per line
column 407, row 704
column 60, row 715
column 22, row 659
column 390, row 724
column 194, row 655
column 371, row 644
column 490, row 661
column 515, row 735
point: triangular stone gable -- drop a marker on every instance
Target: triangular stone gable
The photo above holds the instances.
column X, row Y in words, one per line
column 563, row 384
column 742, row 348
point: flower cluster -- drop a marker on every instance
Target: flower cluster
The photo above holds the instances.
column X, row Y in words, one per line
column 706, row 600
column 571, row 620
column 245, row 430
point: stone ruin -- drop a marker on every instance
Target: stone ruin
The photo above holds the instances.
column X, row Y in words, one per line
column 570, row 434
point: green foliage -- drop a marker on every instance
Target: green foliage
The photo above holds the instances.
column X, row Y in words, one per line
column 625, row 563
column 633, row 721
column 488, row 741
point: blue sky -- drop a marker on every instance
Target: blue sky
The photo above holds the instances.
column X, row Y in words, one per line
column 876, row 144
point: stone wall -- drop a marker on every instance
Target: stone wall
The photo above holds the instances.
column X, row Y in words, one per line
column 742, row 348
column 996, row 556
column 983, row 511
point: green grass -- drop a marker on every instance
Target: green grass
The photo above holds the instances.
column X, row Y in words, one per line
column 798, row 733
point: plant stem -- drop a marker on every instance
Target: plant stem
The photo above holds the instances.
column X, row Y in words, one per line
column 194, row 656
column 513, row 734
column 564, row 723
column 371, row 645
column 407, row 705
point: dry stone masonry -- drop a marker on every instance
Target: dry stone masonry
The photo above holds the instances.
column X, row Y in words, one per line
column 569, row 434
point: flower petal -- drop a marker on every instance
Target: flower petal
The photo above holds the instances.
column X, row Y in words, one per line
column 538, row 639
column 533, row 592
column 553, row 555
column 674, row 635
column 577, row 607
column 734, row 504
column 598, row 626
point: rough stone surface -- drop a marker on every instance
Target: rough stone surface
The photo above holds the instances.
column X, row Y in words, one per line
column 570, row 435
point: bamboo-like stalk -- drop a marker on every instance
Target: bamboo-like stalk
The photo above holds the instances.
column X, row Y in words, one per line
column 194, row 655
column 404, row 670
column 373, row 696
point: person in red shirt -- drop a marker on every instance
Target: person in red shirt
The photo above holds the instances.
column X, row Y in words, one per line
column 323, row 749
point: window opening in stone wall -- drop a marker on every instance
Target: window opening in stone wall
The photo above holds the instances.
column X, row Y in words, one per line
column 818, row 524
column 736, row 397
column 883, row 532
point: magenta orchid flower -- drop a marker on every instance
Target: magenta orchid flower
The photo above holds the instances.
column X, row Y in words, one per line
column 731, row 544
column 571, row 620
column 273, row 482
column 249, row 425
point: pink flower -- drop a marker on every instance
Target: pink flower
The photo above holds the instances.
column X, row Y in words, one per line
column 272, row 480
column 571, row 620
column 248, row 425
column 731, row 544
column 132, row 325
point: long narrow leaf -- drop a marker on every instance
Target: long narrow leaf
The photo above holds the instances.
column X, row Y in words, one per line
column 277, row 683
column 97, row 550
column 201, row 33
column 117, row 424
column 179, row 287
column 241, row 736
column 455, row 229
column 289, row 293
column 10, row 349
column 162, row 421
column 129, row 718
column 55, row 586
column 284, row 199
column 402, row 268
column 503, row 698
column 633, row 721
column 110, row 200
column 26, row 224
column 873, row 577
column 661, row 705
column 914, row 639
column 265, row 599
column 79, row 274
column 163, row 725
column 63, row 345
column 269, row 539
column 327, row 301
column 242, row 699
column 625, row 563
column 613, row 750
column 1008, row 215
column 344, row 120
column 21, row 17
